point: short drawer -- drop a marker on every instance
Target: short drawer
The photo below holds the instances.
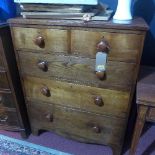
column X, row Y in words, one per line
column 124, row 46
column 101, row 101
column 3, row 80
column 8, row 117
column 75, row 124
column 119, row 75
column 54, row 40
column 7, row 100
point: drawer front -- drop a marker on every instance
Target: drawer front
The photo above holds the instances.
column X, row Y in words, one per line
column 6, row 99
column 123, row 46
column 103, row 101
column 8, row 117
column 75, row 124
column 77, row 70
column 3, row 80
column 55, row 40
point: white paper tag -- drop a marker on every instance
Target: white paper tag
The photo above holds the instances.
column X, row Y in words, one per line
column 101, row 60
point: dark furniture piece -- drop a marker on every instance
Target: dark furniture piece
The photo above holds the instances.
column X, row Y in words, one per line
column 13, row 114
column 146, row 103
column 63, row 92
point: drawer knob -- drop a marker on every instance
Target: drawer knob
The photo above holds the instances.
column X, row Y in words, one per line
column 103, row 46
column 39, row 41
column 100, row 74
column 43, row 65
column 49, row 117
column 96, row 129
column 98, row 101
column 45, row 91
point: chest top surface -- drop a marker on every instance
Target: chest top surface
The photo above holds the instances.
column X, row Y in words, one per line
column 136, row 24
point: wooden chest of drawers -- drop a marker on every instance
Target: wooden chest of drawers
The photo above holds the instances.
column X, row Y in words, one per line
column 56, row 60
column 13, row 115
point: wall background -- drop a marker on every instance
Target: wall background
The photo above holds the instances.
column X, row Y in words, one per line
column 7, row 9
column 142, row 8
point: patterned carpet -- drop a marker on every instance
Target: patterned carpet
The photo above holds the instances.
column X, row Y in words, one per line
column 11, row 146
column 50, row 140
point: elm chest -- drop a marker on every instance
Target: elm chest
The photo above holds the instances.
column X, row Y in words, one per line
column 13, row 115
column 63, row 92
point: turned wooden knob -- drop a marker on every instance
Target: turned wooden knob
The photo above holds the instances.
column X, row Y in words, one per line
column 103, row 46
column 96, row 129
column 39, row 41
column 45, row 91
column 43, row 65
column 100, row 74
column 49, row 117
column 98, row 101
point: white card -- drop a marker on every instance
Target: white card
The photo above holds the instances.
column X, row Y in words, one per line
column 101, row 60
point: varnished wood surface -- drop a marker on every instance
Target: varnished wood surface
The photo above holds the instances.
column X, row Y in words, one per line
column 79, row 42
column 140, row 121
column 56, row 59
column 78, row 70
column 12, row 97
column 76, row 124
column 56, row 40
column 115, row 103
column 146, row 86
column 136, row 24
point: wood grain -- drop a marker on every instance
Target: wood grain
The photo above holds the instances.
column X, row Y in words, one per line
column 80, row 42
column 78, row 96
column 56, row 40
column 141, row 118
column 137, row 24
column 66, row 80
column 119, row 75
column 85, row 43
column 76, row 124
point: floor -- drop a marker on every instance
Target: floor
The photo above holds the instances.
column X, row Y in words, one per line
column 146, row 145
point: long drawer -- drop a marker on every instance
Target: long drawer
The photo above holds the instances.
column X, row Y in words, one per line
column 75, row 124
column 77, row 70
column 102, row 101
column 79, row 42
